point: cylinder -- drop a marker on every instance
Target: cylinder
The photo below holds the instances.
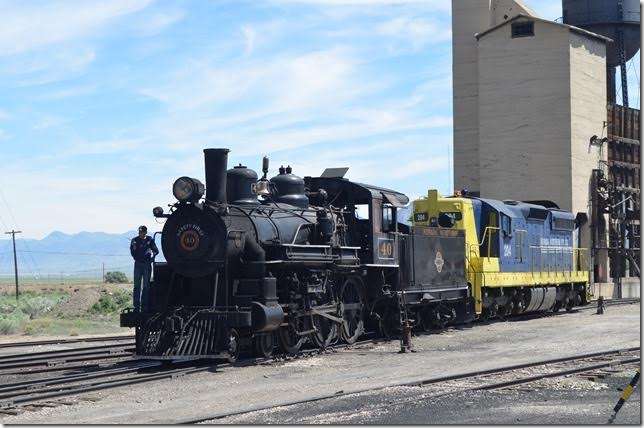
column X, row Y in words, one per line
column 216, row 163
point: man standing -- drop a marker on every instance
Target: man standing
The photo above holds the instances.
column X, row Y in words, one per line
column 143, row 249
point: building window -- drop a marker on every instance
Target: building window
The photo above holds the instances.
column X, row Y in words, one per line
column 523, row 29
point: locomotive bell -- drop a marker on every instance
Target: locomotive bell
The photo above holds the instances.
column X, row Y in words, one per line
column 262, row 187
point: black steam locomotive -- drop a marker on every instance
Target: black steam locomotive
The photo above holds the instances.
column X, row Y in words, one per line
column 291, row 260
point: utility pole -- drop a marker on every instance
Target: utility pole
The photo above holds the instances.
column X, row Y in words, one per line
column 103, row 272
column 15, row 259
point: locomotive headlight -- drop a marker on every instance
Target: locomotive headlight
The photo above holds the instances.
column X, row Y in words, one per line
column 187, row 189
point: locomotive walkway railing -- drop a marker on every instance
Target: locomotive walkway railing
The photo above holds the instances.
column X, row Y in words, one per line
column 557, row 262
column 548, row 260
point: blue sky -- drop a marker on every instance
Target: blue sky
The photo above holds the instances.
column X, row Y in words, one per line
column 105, row 103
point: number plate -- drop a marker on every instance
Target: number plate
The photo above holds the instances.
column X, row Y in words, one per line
column 421, row 217
column 385, row 248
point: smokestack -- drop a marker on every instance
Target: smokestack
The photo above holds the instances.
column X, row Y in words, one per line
column 216, row 161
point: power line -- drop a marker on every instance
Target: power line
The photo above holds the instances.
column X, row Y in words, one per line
column 17, row 227
column 33, row 275
column 75, row 254
column 3, row 223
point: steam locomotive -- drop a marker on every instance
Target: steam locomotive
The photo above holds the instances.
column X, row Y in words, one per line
column 252, row 261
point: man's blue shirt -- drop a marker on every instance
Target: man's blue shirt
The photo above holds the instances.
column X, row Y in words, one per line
column 142, row 250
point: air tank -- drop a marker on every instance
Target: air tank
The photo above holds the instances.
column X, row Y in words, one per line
column 607, row 18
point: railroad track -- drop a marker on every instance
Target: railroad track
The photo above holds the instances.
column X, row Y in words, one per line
column 65, row 341
column 55, row 360
column 19, row 396
column 622, row 301
column 483, row 380
column 16, row 397
column 34, row 393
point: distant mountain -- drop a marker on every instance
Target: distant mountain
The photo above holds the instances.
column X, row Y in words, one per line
column 80, row 254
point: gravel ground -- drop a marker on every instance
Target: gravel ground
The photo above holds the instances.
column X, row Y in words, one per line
column 454, row 351
column 553, row 401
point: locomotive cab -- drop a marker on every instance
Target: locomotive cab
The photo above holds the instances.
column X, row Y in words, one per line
column 370, row 214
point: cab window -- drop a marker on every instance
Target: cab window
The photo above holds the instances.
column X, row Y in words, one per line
column 388, row 218
column 506, row 226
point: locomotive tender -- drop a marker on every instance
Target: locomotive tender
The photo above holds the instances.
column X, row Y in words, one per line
column 297, row 260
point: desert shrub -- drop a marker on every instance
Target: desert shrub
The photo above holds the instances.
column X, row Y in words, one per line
column 36, row 306
column 105, row 305
column 122, row 298
column 37, row 326
column 115, row 277
column 7, row 308
column 8, row 325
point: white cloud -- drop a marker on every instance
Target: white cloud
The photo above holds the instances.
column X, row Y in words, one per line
column 276, row 85
column 41, row 67
column 250, row 35
column 157, row 22
column 286, row 102
column 69, row 92
column 283, row 83
column 439, row 5
column 81, row 193
column 25, row 28
column 416, row 167
column 49, row 121
column 417, row 32
column 111, row 146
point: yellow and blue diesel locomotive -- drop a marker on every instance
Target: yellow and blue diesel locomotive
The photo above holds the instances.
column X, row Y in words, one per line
column 521, row 257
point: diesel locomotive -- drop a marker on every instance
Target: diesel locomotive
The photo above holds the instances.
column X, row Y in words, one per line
column 251, row 262
column 521, row 257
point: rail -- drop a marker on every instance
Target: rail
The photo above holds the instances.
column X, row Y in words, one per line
column 488, row 231
column 578, row 260
column 557, row 260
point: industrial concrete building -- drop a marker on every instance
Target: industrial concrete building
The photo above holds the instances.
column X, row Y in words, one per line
column 542, row 94
column 470, row 17
column 529, row 95
column 526, row 105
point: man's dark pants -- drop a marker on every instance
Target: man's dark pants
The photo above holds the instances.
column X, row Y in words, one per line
column 142, row 272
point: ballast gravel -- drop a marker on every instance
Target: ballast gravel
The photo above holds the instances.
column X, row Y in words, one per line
column 456, row 350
